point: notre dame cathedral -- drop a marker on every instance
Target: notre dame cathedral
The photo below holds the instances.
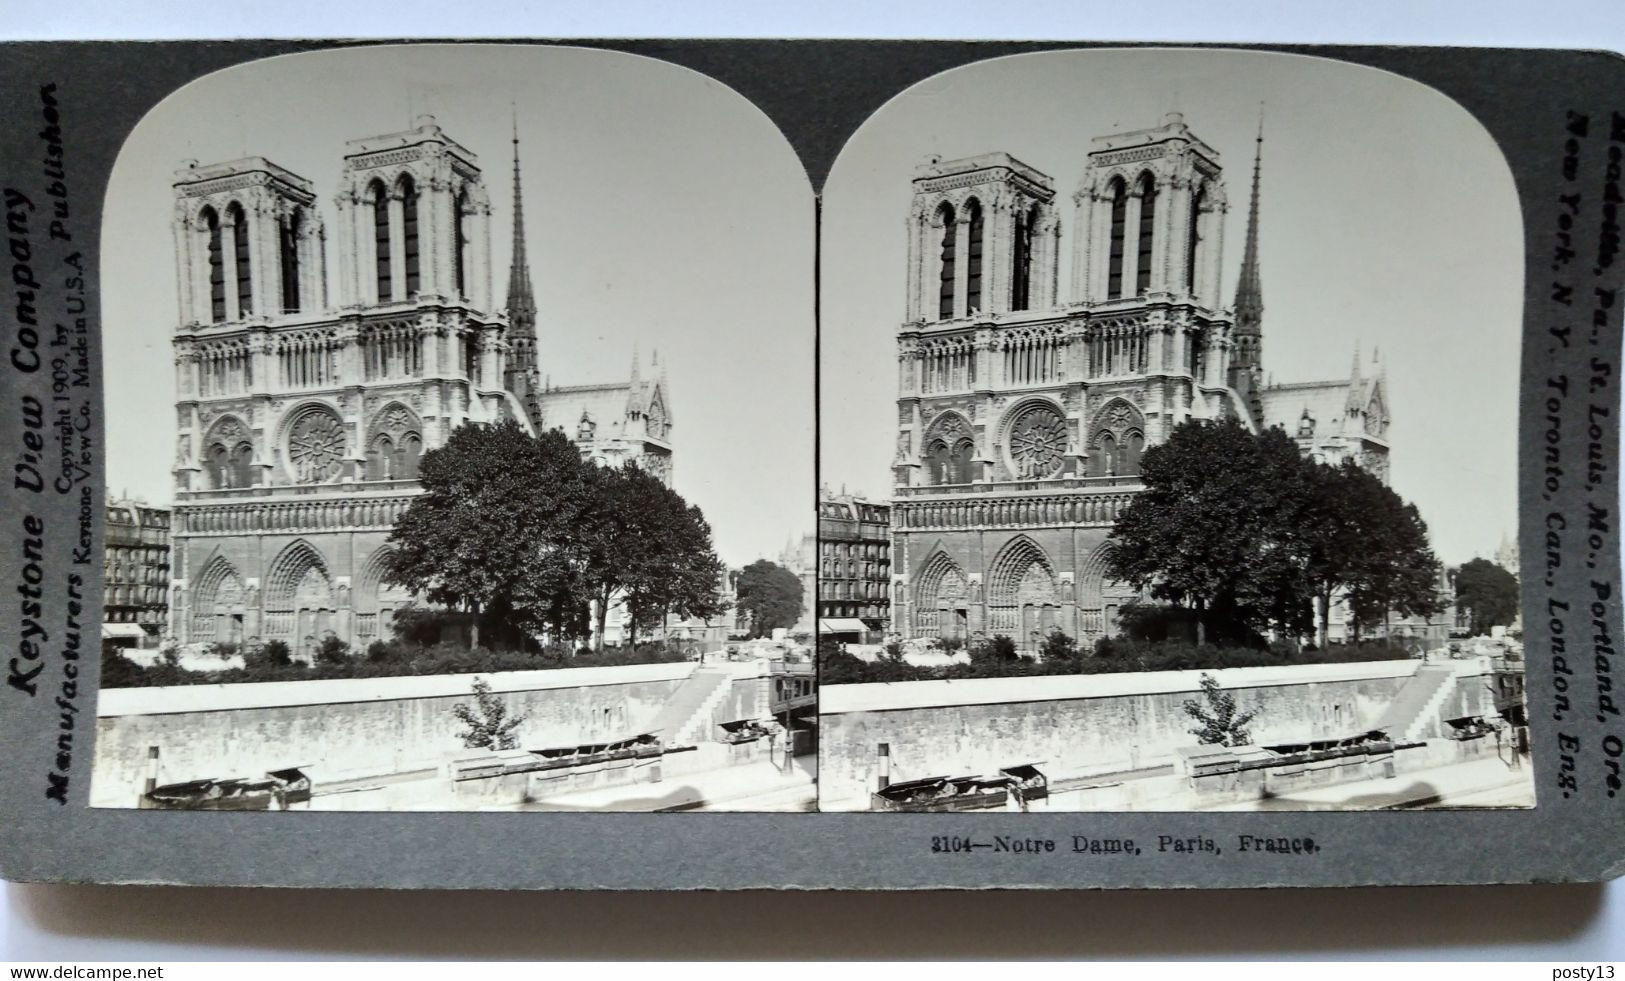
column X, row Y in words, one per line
column 1022, row 416
column 302, row 419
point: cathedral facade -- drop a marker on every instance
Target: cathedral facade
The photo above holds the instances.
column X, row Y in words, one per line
column 1022, row 414
column 301, row 415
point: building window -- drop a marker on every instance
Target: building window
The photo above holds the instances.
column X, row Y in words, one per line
column 239, row 239
column 380, row 239
column 945, row 294
column 1103, row 461
column 1128, row 454
column 406, row 457
column 1114, row 262
column 1022, row 273
column 231, row 467
column 973, row 257
column 1148, row 215
column 460, row 243
column 381, row 459
column 1193, row 238
column 947, row 465
column 217, row 267
column 409, row 233
column 290, row 260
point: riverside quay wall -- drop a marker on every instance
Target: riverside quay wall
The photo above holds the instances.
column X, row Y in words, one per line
column 354, row 728
column 1088, row 725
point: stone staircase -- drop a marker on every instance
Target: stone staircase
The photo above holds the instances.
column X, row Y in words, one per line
column 686, row 716
column 1416, row 708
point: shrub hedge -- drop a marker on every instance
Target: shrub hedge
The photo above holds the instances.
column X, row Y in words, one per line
column 381, row 659
column 996, row 659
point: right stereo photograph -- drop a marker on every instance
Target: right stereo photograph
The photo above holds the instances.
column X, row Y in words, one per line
column 1168, row 414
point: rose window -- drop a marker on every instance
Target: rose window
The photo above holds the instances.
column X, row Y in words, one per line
column 316, row 446
column 1038, row 440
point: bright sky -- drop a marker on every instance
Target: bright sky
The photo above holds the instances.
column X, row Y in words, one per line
column 1388, row 219
column 662, row 210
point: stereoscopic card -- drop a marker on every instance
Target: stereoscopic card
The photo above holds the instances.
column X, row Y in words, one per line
column 870, row 465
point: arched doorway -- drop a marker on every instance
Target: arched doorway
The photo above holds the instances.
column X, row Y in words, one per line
column 299, row 605
column 1023, row 599
column 217, row 605
column 941, row 606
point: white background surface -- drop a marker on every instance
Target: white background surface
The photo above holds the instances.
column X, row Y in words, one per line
column 1567, row 923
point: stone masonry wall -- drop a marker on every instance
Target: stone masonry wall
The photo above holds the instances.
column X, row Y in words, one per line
column 1080, row 736
column 339, row 739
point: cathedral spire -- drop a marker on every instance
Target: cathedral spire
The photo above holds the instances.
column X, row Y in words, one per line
column 1250, row 290
column 521, row 301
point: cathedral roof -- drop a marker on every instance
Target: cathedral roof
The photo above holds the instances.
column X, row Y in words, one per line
column 608, row 405
column 1325, row 401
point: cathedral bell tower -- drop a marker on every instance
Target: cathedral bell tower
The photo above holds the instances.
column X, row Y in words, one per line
column 249, row 242
column 249, row 257
column 414, row 220
column 1147, row 253
column 1149, row 217
column 415, row 245
column 983, row 237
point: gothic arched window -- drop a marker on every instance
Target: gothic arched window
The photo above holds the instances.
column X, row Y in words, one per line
column 1022, row 272
column 1128, row 454
column 459, row 233
column 1114, row 260
column 1103, row 461
column 381, row 458
column 406, row 457
column 217, row 266
column 242, row 465
column 973, row 257
column 231, row 467
column 1193, row 238
column 939, row 463
column 288, row 240
column 409, row 233
column 380, row 239
column 1148, row 216
column 239, row 240
column 945, row 294
column 959, row 462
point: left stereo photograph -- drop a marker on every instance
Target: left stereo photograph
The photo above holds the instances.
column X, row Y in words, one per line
column 437, row 476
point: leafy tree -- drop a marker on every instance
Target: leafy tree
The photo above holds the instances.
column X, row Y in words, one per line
column 646, row 547
column 332, row 651
column 488, row 724
column 269, row 655
column 1219, row 722
column 998, row 649
column 1488, row 593
column 1216, row 529
column 1253, row 537
column 1057, row 646
column 496, row 527
column 118, row 671
column 770, row 595
column 1364, row 541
